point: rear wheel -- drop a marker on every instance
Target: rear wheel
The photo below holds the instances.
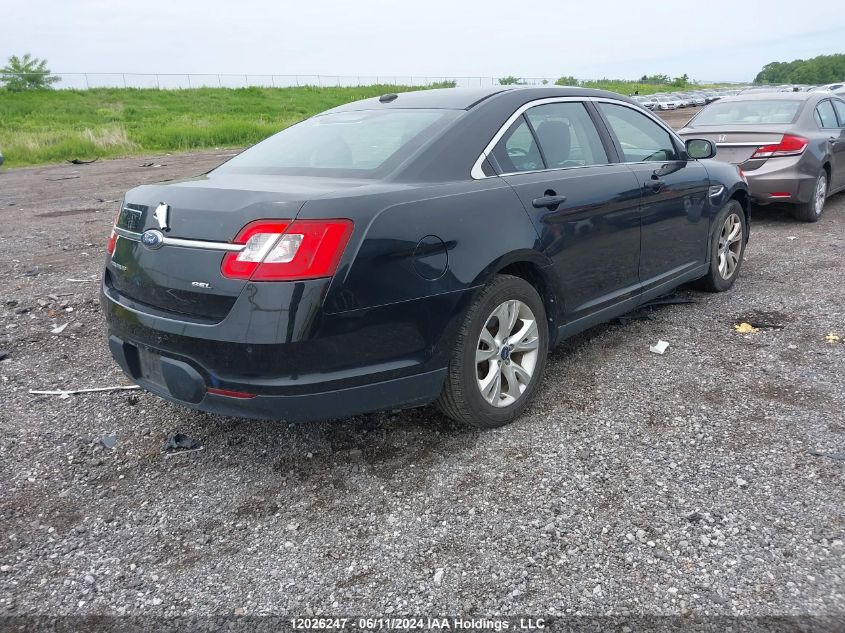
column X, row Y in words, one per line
column 498, row 361
column 726, row 249
column 811, row 211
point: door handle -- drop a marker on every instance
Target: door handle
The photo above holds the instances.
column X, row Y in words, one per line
column 549, row 202
column 655, row 184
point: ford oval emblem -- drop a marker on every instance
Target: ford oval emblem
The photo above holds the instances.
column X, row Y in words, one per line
column 152, row 239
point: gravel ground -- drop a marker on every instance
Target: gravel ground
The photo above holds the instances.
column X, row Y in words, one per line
column 705, row 481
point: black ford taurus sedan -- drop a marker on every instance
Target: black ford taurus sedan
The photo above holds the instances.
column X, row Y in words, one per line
column 426, row 247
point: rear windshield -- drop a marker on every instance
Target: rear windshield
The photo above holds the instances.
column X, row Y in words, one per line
column 762, row 112
column 363, row 144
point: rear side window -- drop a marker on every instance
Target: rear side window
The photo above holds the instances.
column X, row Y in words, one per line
column 840, row 111
column 566, row 135
column 550, row 136
column 640, row 138
column 825, row 116
column 752, row 112
column 517, row 150
column 356, row 144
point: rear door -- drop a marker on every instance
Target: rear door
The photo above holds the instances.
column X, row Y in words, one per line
column 585, row 209
column 675, row 205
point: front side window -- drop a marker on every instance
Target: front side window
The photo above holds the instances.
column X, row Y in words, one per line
column 361, row 144
column 640, row 138
column 825, row 116
column 566, row 135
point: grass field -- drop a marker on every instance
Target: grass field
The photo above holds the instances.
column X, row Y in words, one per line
column 55, row 125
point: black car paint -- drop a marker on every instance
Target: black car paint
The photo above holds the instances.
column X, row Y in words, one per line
column 426, row 239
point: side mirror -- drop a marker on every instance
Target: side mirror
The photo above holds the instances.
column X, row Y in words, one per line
column 698, row 148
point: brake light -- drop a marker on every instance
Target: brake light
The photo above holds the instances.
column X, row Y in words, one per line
column 113, row 237
column 277, row 251
column 789, row 145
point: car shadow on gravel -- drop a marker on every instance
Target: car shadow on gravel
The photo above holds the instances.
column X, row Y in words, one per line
column 778, row 213
column 384, row 444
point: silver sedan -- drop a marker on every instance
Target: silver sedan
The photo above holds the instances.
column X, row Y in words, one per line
column 789, row 145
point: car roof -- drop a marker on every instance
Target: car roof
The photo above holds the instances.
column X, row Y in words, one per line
column 781, row 96
column 466, row 98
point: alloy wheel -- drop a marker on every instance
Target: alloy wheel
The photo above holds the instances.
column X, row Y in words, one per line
column 730, row 245
column 820, row 194
column 506, row 354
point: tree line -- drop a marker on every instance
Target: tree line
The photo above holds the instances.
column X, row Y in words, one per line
column 824, row 69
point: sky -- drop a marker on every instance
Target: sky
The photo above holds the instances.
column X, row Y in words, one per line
column 589, row 39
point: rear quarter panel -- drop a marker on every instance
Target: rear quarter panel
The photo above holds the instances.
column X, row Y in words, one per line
column 479, row 223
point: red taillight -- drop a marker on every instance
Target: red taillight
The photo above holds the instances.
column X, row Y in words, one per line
column 112, row 242
column 276, row 251
column 789, row 145
column 113, row 237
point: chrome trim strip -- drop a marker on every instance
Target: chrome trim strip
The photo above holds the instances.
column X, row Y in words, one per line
column 210, row 246
column 129, row 235
column 540, row 171
column 747, row 144
column 177, row 241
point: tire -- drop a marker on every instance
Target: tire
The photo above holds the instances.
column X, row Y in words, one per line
column 726, row 249
column 462, row 398
column 811, row 211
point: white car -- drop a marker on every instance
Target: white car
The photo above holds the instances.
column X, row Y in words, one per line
column 668, row 103
column 830, row 87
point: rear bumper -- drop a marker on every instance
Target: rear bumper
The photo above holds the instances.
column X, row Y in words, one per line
column 781, row 180
column 183, row 384
column 294, row 361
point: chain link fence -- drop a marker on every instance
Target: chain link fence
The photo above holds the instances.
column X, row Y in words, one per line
column 174, row 81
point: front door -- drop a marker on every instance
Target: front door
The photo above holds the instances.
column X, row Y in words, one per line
column 585, row 209
column 675, row 205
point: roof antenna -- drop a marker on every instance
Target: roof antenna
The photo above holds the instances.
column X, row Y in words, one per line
column 388, row 98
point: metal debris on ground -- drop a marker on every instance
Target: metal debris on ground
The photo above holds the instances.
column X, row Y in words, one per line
column 839, row 456
column 180, row 443
column 745, row 328
column 63, row 178
column 58, row 329
column 65, row 393
column 660, row 347
column 109, row 441
column 669, row 300
column 640, row 314
column 636, row 315
column 4, row 354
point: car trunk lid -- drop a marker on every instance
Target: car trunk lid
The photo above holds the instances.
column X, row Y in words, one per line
column 183, row 275
column 736, row 146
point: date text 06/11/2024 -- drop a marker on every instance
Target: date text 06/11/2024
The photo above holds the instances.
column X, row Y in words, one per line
column 418, row 624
